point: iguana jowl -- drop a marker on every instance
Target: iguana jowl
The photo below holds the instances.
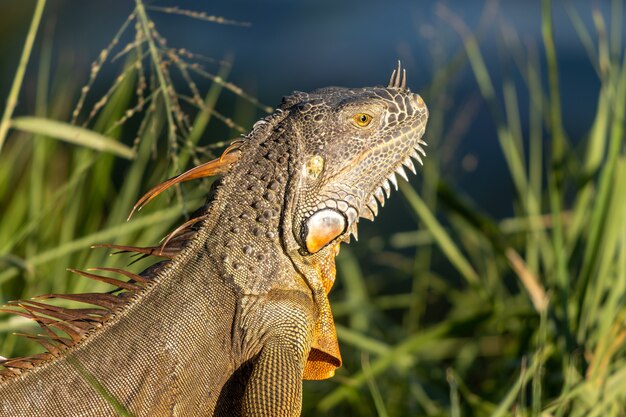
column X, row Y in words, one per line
column 238, row 315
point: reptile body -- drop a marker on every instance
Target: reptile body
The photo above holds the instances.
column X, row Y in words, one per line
column 238, row 314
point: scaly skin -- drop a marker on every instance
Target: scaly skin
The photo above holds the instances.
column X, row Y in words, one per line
column 239, row 316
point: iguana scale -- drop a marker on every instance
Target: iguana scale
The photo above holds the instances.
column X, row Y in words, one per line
column 237, row 315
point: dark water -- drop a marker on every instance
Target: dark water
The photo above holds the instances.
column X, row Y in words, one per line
column 303, row 45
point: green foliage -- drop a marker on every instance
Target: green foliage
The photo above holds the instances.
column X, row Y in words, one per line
column 466, row 315
column 533, row 320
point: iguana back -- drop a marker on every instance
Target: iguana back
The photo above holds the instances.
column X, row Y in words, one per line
column 238, row 315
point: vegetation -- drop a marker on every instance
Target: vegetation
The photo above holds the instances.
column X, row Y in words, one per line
column 463, row 315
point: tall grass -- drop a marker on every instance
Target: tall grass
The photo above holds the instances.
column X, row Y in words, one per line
column 466, row 315
column 537, row 328
column 65, row 182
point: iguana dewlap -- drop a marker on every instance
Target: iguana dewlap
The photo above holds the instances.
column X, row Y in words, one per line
column 237, row 315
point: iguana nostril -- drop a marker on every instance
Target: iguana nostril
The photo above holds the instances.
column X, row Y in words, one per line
column 417, row 101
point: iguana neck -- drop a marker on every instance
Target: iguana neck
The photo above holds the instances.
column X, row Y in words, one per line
column 251, row 214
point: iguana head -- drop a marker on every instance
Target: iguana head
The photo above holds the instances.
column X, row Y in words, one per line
column 353, row 143
column 350, row 145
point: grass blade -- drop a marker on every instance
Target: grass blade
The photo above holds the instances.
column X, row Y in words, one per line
column 101, row 389
column 72, row 134
column 5, row 122
column 440, row 235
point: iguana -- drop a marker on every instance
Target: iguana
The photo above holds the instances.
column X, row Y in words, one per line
column 237, row 314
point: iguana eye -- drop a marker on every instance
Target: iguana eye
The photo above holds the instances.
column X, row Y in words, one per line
column 362, row 119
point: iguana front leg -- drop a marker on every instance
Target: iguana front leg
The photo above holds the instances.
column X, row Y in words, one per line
column 275, row 385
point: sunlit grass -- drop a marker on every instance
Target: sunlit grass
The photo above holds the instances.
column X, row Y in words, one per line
column 64, row 184
column 550, row 331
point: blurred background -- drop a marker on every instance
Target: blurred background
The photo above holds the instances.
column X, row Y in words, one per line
column 492, row 284
column 280, row 46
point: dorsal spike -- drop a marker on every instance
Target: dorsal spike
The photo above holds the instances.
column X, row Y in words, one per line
column 53, row 313
column 63, row 341
column 52, row 346
column 217, row 166
column 75, row 332
column 392, row 79
column 148, row 251
column 107, row 301
column 398, row 72
column 20, row 363
column 398, row 77
column 82, row 313
column 111, row 281
column 179, row 229
column 128, row 274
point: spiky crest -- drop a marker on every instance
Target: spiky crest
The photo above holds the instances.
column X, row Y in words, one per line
column 78, row 323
